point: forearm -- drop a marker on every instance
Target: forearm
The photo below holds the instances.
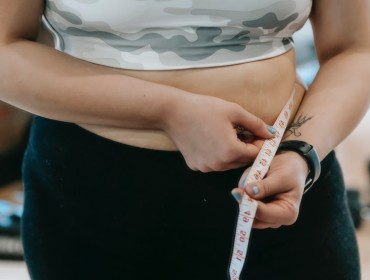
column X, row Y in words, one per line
column 335, row 103
column 46, row 82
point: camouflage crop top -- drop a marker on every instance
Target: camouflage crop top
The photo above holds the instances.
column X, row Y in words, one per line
column 174, row 34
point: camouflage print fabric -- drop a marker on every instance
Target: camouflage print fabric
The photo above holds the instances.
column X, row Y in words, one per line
column 174, row 34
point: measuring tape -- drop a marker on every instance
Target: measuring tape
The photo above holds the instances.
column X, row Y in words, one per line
column 248, row 206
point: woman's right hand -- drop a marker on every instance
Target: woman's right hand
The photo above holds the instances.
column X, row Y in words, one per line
column 203, row 129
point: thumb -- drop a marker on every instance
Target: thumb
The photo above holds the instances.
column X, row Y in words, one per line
column 238, row 192
column 243, row 178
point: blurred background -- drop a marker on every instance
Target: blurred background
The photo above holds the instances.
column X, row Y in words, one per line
column 353, row 154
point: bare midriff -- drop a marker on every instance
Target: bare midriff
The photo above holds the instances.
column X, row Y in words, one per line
column 262, row 88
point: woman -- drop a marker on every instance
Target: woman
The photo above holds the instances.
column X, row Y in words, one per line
column 139, row 86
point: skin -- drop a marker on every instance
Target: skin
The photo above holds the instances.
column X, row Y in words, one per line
column 54, row 85
column 243, row 84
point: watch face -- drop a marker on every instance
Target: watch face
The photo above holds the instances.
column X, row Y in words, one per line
column 306, row 148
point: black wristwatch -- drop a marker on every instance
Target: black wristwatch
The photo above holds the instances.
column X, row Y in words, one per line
column 309, row 153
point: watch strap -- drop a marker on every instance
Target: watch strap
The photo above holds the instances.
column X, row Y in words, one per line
column 309, row 153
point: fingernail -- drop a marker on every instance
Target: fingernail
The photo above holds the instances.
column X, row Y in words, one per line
column 271, row 129
column 255, row 190
column 237, row 196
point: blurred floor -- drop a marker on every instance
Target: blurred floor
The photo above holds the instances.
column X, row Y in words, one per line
column 12, row 270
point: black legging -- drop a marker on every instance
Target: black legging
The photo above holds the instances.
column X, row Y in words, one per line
column 97, row 209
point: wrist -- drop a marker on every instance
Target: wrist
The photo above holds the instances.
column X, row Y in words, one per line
column 309, row 154
column 171, row 109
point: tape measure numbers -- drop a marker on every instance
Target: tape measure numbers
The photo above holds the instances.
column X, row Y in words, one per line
column 248, row 206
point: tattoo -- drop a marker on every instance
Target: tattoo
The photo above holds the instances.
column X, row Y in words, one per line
column 295, row 125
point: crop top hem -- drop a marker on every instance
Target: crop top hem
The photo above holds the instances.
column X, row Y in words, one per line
column 157, row 67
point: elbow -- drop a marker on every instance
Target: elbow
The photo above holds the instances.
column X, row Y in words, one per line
column 329, row 52
column 8, row 67
column 5, row 49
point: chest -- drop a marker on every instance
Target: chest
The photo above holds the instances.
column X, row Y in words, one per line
column 134, row 15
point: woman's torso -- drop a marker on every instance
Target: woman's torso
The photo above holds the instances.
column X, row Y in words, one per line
column 262, row 88
column 261, row 83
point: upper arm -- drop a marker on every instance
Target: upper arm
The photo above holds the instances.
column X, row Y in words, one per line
column 340, row 25
column 20, row 19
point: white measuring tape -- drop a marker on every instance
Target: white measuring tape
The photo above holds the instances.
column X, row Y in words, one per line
column 248, row 206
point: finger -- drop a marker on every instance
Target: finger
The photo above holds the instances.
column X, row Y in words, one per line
column 258, row 143
column 278, row 212
column 262, row 225
column 237, row 193
column 267, row 187
column 255, row 125
column 220, row 167
column 243, row 178
column 246, row 152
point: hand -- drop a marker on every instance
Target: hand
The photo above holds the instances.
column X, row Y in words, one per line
column 278, row 195
column 203, row 128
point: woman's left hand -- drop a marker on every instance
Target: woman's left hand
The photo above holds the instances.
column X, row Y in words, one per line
column 279, row 194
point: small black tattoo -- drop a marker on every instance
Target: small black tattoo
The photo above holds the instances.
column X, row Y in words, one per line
column 295, row 125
